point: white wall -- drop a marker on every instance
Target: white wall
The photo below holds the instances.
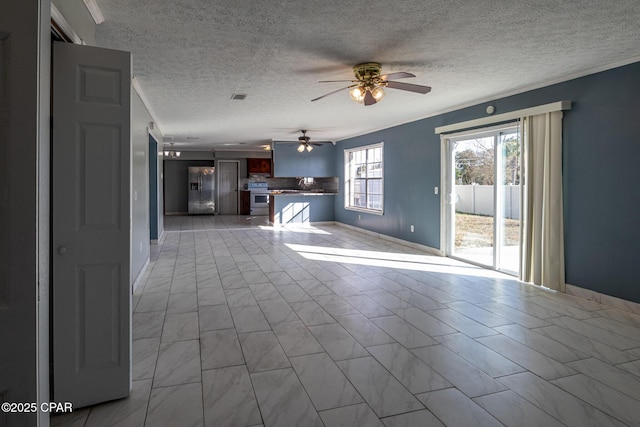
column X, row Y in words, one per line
column 140, row 243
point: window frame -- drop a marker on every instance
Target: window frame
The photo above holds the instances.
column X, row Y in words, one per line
column 349, row 179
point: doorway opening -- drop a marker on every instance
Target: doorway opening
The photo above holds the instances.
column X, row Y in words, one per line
column 483, row 179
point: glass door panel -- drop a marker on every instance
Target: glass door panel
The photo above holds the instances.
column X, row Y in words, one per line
column 508, row 202
column 484, row 214
column 472, row 200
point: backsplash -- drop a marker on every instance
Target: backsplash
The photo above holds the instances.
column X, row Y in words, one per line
column 328, row 184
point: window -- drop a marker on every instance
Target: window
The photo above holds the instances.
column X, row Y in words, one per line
column 364, row 178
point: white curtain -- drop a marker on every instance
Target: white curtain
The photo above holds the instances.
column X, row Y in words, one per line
column 542, row 260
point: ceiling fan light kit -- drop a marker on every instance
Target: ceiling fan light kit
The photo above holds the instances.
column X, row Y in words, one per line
column 172, row 154
column 358, row 93
column 368, row 88
column 305, row 143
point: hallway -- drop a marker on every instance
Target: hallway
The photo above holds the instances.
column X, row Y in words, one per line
column 240, row 324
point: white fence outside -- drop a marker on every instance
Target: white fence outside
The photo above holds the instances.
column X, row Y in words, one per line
column 478, row 199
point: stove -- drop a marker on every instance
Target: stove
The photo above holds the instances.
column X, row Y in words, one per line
column 259, row 204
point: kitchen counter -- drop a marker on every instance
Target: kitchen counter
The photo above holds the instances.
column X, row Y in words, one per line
column 300, row 193
column 300, row 206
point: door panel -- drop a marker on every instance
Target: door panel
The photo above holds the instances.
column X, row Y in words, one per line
column 228, row 191
column 508, row 203
column 473, row 200
column 484, row 215
column 99, row 176
column 91, row 224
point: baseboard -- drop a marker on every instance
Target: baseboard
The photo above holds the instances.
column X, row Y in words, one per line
column 159, row 239
column 608, row 300
column 138, row 279
column 413, row 245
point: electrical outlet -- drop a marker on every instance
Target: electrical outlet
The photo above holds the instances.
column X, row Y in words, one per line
column 412, row 229
column 359, row 217
column 435, row 190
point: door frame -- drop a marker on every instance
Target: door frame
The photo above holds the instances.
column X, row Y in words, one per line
column 218, row 169
column 447, row 213
column 24, row 193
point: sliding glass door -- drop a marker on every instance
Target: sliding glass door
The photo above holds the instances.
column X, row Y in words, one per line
column 483, row 225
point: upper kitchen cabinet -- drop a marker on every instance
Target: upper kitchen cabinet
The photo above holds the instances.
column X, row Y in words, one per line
column 260, row 167
column 288, row 162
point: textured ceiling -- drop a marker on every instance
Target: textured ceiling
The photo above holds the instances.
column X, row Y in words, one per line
column 191, row 56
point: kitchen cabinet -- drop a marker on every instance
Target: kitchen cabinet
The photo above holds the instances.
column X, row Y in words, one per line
column 259, row 167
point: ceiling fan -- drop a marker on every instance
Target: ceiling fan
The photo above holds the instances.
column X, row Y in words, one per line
column 305, row 142
column 368, row 88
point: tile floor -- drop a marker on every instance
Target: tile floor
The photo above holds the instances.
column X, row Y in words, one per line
column 236, row 324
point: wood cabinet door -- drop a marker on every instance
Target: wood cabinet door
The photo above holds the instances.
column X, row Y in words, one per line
column 253, row 165
column 265, row 166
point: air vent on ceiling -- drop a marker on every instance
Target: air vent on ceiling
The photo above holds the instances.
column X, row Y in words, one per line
column 238, row 96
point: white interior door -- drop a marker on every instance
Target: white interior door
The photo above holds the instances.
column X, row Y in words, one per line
column 91, row 224
column 228, row 187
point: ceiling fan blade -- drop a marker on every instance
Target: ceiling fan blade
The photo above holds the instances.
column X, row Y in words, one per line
column 409, row 87
column 399, row 75
column 368, row 98
column 331, row 93
column 336, row 81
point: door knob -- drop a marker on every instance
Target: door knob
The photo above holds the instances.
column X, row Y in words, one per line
column 62, row 250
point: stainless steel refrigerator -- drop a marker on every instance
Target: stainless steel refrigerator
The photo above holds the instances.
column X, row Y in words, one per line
column 201, row 190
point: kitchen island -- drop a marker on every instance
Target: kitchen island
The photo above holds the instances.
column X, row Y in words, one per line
column 301, row 206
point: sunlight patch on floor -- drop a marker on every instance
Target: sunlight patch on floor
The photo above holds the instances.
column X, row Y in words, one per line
column 416, row 262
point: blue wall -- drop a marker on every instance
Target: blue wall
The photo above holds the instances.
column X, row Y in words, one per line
column 601, row 173
column 411, row 170
column 287, row 162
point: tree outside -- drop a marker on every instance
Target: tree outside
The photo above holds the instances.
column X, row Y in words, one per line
column 475, row 163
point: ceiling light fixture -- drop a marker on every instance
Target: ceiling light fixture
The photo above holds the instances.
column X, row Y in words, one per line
column 303, row 146
column 304, row 142
column 358, row 93
column 369, row 85
column 172, row 154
